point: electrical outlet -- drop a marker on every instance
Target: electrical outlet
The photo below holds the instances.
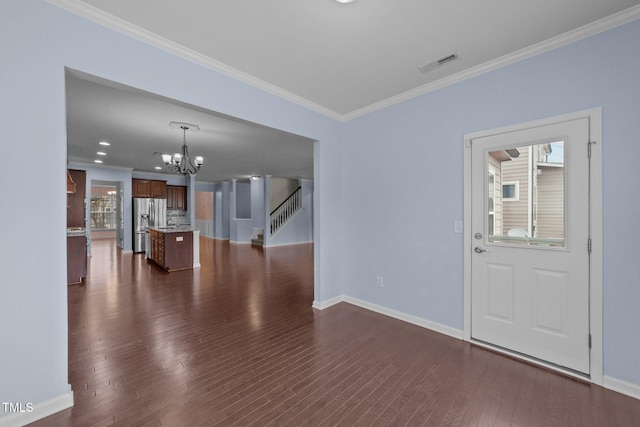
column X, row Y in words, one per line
column 457, row 226
column 380, row 282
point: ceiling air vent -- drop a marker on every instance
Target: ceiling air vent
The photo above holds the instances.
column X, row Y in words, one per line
column 437, row 63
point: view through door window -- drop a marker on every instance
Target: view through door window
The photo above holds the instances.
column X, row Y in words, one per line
column 526, row 195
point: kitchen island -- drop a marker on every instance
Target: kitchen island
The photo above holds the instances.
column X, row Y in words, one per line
column 174, row 248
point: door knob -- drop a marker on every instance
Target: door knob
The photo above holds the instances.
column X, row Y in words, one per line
column 479, row 250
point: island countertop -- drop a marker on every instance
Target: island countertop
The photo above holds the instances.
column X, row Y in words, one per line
column 174, row 228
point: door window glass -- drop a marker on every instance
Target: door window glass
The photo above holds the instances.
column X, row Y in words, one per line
column 530, row 183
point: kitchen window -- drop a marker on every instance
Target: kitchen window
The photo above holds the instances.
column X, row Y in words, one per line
column 103, row 212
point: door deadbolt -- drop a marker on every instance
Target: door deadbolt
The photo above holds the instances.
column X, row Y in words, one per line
column 478, row 236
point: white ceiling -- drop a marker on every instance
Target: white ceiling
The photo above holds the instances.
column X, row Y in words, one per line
column 342, row 60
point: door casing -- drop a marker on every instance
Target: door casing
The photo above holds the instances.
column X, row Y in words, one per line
column 595, row 206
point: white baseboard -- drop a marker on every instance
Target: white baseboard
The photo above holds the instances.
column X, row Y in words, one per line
column 40, row 411
column 326, row 304
column 624, row 387
column 409, row 318
column 127, row 252
column 287, row 244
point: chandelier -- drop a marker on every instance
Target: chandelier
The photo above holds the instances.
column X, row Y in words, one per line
column 181, row 162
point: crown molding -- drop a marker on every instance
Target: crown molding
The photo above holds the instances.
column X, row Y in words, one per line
column 99, row 16
column 572, row 36
column 110, row 21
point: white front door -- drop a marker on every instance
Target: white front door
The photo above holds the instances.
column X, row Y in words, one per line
column 530, row 242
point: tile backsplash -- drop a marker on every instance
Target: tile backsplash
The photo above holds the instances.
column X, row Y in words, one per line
column 176, row 216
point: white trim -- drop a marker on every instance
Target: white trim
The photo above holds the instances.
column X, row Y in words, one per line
column 596, row 279
column 624, row 387
column 596, row 306
column 615, row 20
column 99, row 16
column 328, row 303
column 125, row 251
column 103, row 18
column 40, row 411
column 409, row 318
column 287, row 244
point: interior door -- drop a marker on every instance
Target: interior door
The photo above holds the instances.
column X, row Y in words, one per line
column 530, row 226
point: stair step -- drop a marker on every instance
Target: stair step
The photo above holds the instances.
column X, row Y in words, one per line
column 258, row 241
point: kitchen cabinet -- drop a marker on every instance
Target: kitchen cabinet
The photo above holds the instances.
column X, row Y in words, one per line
column 176, row 197
column 149, row 188
column 172, row 250
column 76, row 227
column 76, row 200
column 76, row 259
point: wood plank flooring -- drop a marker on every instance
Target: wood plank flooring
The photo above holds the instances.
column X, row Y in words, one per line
column 236, row 342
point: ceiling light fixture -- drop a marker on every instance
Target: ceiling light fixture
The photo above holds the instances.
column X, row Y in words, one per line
column 105, row 143
column 344, row 1
column 181, row 162
column 101, row 153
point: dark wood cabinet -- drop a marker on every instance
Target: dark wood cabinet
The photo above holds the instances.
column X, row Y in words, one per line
column 76, row 259
column 176, row 197
column 159, row 189
column 172, row 251
column 76, row 200
column 149, row 188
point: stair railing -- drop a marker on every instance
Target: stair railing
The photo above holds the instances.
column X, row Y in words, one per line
column 285, row 210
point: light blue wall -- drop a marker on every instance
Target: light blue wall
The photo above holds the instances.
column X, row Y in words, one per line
column 38, row 41
column 257, row 202
column 403, row 182
column 243, row 200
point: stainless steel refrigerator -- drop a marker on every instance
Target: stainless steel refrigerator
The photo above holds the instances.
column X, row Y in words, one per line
column 147, row 213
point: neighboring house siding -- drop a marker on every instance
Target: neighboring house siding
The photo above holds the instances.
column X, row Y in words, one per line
column 494, row 167
column 516, row 213
column 551, row 202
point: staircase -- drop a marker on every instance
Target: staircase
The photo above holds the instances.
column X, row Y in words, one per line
column 279, row 216
column 285, row 210
column 258, row 240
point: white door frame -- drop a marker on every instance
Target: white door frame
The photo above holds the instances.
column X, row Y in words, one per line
column 595, row 203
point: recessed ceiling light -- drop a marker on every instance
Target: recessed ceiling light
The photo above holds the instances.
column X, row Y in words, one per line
column 101, row 153
column 159, row 168
column 255, row 177
column 344, row 1
column 97, row 161
column 105, row 143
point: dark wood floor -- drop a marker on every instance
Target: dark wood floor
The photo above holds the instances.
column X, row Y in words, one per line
column 237, row 343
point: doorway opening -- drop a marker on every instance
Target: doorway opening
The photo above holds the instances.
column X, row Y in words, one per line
column 106, row 206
